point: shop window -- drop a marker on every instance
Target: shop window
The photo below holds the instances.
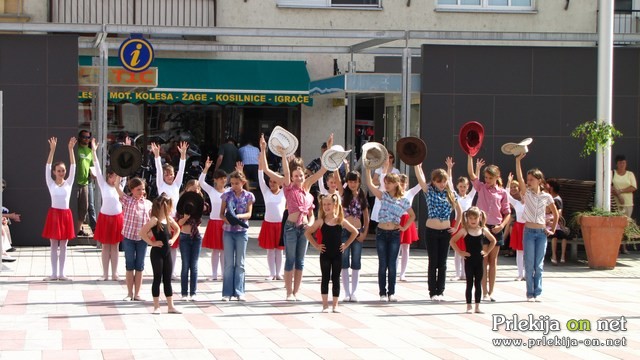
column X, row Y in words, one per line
column 493, row 5
column 330, row 3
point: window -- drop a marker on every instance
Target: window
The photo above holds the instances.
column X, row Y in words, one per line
column 498, row 5
column 623, row 5
column 330, row 3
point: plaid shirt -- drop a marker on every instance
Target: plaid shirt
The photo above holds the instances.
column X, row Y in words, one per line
column 136, row 214
column 438, row 206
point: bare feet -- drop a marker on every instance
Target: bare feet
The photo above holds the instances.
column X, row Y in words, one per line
column 156, row 311
column 469, row 308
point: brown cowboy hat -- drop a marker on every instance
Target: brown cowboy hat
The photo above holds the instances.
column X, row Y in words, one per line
column 411, row 150
column 126, row 160
column 471, row 137
column 190, row 203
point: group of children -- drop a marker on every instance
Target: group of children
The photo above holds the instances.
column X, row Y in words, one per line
column 338, row 233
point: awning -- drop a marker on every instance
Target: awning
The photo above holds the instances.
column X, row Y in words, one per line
column 205, row 81
column 361, row 83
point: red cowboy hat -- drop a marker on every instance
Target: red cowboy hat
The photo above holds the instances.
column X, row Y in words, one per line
column 471, row 137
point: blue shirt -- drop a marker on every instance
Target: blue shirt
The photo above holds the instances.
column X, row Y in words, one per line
column 391, row 209
column 249, row 154
column 438, row 206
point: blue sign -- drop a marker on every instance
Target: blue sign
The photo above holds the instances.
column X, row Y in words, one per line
column 136, row 54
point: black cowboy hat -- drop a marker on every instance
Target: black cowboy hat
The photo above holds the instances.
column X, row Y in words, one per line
column 126, row 160
column 411, row 150
column 232, row 218
column 190, row 203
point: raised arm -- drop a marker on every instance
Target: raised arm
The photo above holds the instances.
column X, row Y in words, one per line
column 203, row 176
column 420, row 176
column 263, row 162
column 315, row 177
column 366, row 174
column 72, row 153
column 521, row 182
column 470, row 170
column 182, row 148
column 155, row 148
column 52, row 149
column 450, row 163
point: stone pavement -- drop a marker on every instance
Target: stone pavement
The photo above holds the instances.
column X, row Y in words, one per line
column 87, row 319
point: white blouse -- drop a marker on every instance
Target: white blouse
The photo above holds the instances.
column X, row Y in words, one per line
column 173, row 190
column 214, row 197
column 111, row 204
column 274, row 204
column 60, row 195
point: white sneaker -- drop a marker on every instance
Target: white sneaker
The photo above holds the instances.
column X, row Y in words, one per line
column 440, row 298
column 226, row 298
column 346, row 299
column 392, row 298
column 193, row 297
column 241, row 298
column 434, row 298
column 353, row 298
column 184, row 298
column 531, row 299
column 290, row 297
column 537, row 299
column 383, row 298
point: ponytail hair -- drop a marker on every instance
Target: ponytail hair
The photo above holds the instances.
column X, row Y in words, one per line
column 474, row 212
column 161, row 206
column 335, row 199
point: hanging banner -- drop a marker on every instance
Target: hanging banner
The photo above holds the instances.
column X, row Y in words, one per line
column 170, row 97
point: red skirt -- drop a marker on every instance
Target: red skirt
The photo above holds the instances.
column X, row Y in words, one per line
column 515, row 238
column 269, row 237
column 213, row 235
column 59, row 225
column 411, row 234
column 109, row 228
column 460, row 242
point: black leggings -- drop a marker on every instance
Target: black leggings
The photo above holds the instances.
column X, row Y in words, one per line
column 330, row 266
column 437, row 251
column 162, row 268
column 473, row 271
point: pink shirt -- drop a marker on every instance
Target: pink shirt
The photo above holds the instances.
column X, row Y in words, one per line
column 492, row 200
column 136, row 214
column 298, row 200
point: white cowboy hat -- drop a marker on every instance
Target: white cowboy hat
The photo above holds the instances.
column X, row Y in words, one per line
column 333, row 157
column 282, row 138
column 374, row 155
column 516, row 149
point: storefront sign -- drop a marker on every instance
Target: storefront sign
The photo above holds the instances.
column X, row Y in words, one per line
column 169, row 97
column 136, row 54
column 119, row 77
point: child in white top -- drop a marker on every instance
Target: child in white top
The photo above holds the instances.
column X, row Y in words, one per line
column 271, row 229
column 213, row 235
column 169, row 183
column 110, row 219
column 59, row 226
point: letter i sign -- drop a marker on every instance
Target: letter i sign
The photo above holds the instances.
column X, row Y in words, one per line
column 136, row 53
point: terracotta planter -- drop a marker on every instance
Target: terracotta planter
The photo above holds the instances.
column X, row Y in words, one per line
column 602, row 237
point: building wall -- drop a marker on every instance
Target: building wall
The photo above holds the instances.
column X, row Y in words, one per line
column 39, row 80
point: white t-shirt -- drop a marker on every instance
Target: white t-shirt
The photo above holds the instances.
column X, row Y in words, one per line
column 214, row 197
column 111, row 204
column 173, row 190
column 60, row 195
column 274, row 204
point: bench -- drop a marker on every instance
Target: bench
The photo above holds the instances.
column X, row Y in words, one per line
column 577, row 196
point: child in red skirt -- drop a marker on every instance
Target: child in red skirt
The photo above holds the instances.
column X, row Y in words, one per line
column 110, row 219
column 59, row 226
column 213, row 234
column 410, row 235
column 271, row 229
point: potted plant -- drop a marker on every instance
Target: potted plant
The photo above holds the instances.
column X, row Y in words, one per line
column 602, row 230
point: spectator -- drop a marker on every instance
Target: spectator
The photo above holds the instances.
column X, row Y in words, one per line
column 84, row 182
column 249, row 156
column 227, row 156
column 624, row 185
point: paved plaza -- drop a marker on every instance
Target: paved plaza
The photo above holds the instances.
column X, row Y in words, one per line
column 87, row 319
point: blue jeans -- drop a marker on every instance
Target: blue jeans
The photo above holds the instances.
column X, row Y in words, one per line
column 295, row 246
column 189, row 252
column 535, row 246
column 134, row 253
column 235, row 250
column 354, row 251
column 388, row 246
column 91, row 209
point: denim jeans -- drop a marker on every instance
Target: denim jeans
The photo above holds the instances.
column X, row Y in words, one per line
column 438, row 251
column 134, row 253
column 535, row 246
column 388, row 246
column 295, row 246
column 91, row 209
column 235, row 250
column 354, row 251
column 189, row 252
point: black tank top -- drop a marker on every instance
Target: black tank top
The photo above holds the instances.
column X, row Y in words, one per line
column 331, row 238
column 162, row 235
column 474, row 244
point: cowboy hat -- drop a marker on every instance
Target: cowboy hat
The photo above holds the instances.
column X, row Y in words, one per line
column 232, row 218
column 334, row 157
column 374, row 155
column 282, row 138
column 471, row 137
column 411, row 150
column 190, row 203
column 126, row 160
column 516, row 149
